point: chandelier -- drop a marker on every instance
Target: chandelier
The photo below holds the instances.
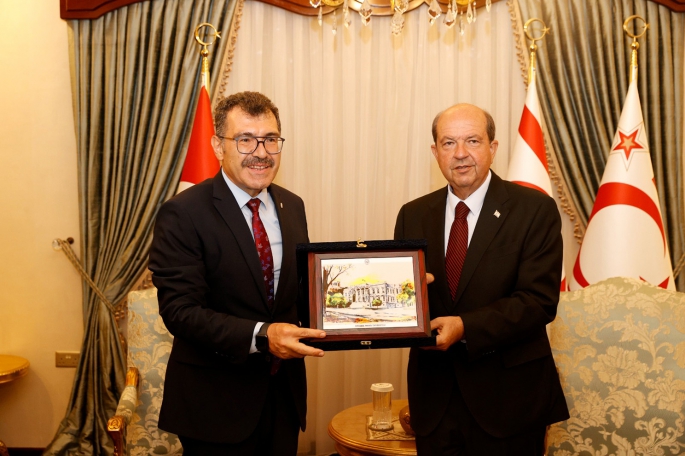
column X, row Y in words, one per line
column 461, row 12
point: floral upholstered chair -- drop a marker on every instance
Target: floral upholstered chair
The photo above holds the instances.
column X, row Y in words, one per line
column 619, row 346
column 134, row 427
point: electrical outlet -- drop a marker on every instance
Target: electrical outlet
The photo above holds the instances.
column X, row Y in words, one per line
column 66, row 359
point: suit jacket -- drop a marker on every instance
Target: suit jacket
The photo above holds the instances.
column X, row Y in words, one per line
column 211, row 294
column 507, row 293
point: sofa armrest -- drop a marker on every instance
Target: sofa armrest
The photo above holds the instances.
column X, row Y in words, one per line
column 116, row 426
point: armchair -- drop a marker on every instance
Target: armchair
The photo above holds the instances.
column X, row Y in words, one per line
column 619, row 346
column 134, row 426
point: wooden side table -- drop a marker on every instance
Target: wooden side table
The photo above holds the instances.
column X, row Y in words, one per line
column 11, row 368
column 348, row 431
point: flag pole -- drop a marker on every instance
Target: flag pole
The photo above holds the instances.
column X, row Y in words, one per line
column 528, row 160
column 634, row 45
column 204, row 52
column 200, row 162
column 528, row 29
column 628, row 239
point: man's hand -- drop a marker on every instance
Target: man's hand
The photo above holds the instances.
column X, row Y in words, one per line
column 450, row 331
column 284, row 341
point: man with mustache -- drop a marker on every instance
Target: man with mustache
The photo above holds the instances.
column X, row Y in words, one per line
column 490, row 386
column 223, row 261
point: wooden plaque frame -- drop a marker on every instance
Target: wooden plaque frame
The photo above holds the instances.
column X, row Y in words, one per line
column 385, row 321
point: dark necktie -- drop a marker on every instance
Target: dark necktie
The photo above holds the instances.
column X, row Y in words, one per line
column 261, row 240
column 456, row 247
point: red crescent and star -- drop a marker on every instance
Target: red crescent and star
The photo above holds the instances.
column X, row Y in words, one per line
column 628, row 143
column 614, row 193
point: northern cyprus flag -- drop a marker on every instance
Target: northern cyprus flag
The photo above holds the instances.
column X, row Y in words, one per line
column 625, row 235
column 528, row 162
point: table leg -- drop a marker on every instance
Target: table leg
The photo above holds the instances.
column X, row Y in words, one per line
column 3, row 449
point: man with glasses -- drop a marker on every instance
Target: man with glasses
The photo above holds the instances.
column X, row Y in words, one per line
column 223, row 261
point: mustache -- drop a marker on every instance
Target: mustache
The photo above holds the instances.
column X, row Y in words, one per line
column 252, row 160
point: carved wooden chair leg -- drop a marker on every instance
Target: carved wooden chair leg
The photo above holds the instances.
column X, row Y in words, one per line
column 116, row 426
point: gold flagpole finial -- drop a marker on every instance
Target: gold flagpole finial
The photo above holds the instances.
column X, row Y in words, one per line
column 528, row 29
column 204, row 52
column 634, row 45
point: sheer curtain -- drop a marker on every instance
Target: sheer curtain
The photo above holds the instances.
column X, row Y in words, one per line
column 356, row 109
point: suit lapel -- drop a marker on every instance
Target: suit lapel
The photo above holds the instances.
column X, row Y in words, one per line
column 434, row 227
column 228, row 208
column 288, row 242
column 486, row 228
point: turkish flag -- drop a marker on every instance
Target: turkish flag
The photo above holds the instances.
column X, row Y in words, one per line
column 201, row 163
column 528, row 162
column 625, row 235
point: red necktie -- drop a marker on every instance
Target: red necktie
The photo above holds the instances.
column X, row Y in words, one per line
column 456, row 247
column 261, row 240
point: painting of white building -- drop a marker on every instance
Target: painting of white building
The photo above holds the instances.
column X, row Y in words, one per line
column 362, row 292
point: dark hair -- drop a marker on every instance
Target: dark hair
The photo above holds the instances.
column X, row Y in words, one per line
column 253, row 103
column 489, row 125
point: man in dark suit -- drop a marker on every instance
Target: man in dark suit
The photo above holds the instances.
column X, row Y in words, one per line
column 490, row 386
column 223, row 261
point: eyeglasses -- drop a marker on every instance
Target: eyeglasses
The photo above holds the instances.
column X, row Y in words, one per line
column 248, row 144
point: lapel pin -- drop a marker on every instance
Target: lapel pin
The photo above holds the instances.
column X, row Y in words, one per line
column 281, row 205
column 497, row 214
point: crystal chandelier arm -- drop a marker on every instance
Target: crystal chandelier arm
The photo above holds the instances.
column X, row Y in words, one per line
column 378, row 7
column 444, row 4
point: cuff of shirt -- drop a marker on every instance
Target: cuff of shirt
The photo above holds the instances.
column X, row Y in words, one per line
column 257, row 327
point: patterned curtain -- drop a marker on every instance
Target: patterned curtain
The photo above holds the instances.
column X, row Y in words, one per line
column 583, row 81
column 135, row 78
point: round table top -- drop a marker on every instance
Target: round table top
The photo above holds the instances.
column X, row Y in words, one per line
column 12, row 367
column 348, row 428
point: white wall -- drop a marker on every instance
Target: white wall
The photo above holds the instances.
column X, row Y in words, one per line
column 40, row 297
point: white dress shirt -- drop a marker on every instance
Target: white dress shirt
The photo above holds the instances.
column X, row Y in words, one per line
column 474, row 203
column 269, row 217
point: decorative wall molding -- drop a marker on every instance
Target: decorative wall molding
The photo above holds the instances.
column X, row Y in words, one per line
column 675, row 5
column 92, row 9
column 382, row 7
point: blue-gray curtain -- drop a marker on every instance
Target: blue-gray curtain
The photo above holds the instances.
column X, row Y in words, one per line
column 135, row 81
column 583, row 80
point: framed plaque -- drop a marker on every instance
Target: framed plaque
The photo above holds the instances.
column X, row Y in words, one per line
column 366, row 294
